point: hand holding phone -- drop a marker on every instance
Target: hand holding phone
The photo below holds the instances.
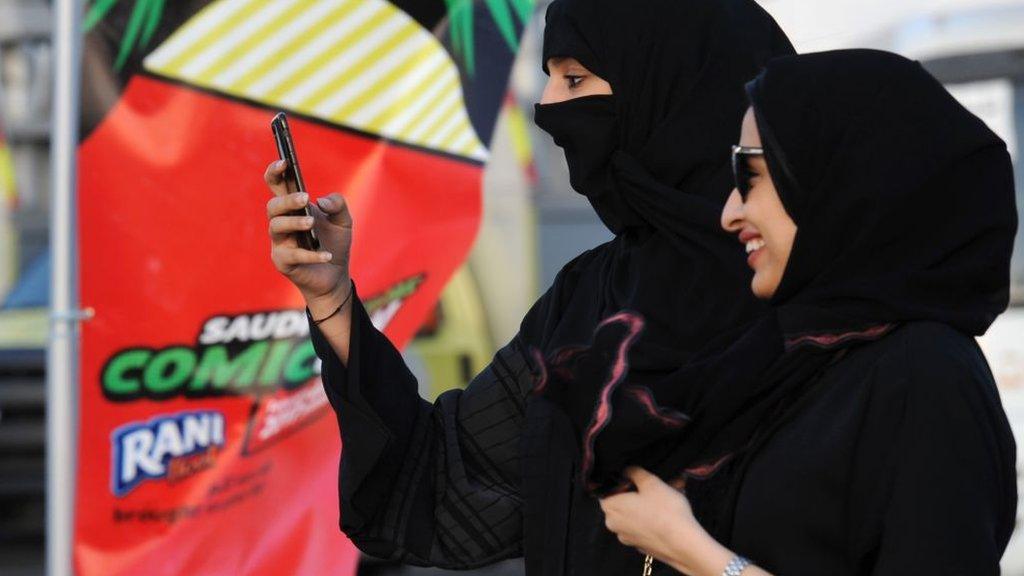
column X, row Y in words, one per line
column 318, row 265
column 293, row 176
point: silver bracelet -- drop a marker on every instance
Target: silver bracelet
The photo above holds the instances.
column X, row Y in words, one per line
column 736, row 566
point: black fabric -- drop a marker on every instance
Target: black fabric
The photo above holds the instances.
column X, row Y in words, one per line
column 653, row 160
column 904, row 200
column 676, row 68
column 418, row 485
column 901, row 446
column 430, row 484
column 900, row 461
column 586, row 128
column 678, row 103
column 904, row 204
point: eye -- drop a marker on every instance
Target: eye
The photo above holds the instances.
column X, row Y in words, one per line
column 753, row 171
column 573, row 81
column 745, row 172
column 746, row 177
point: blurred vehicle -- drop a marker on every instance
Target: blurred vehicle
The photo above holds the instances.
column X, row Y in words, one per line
column 23, row 326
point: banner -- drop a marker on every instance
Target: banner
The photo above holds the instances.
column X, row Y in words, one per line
column 206, row 442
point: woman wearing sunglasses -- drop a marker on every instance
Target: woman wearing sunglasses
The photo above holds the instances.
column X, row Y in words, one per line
column 856, row 429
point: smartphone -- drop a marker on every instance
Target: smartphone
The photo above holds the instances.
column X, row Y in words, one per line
column 293, row 176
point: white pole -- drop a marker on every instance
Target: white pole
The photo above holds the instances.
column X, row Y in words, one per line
column 62, row 350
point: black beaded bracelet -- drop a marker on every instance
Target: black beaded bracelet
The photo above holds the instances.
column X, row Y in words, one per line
column 338, row 309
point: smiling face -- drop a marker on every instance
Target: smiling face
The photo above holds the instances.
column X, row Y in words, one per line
column 569, row 79
column 760, row 220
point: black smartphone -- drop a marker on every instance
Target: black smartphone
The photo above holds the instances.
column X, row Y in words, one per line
column 293, row 176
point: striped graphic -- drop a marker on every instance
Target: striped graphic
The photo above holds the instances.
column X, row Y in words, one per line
column 363, row 64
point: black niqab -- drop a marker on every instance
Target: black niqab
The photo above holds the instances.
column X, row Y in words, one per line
column 904, row 203
column 673, row 67
column 676, row 69
column 658, row 151
column 653, row 160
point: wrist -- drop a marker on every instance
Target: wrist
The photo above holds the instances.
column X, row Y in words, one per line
column 697, row 553
column 320, row 306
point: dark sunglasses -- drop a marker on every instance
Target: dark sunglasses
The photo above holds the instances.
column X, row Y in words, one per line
column 741, row 171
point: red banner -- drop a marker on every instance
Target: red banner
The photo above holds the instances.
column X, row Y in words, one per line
column 206, row 442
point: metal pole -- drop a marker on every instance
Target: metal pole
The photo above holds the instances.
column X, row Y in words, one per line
column 62, row 350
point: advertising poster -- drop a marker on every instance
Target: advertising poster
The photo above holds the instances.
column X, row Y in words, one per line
column 206, row 443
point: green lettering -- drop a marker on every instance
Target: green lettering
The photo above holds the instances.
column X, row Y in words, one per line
column 116, row 378
column 238, row 372
column 169, row 369
column 300, row 365
column 271, row 374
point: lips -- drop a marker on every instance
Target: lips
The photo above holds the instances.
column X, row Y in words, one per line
column 754, row 244
column 751, row 238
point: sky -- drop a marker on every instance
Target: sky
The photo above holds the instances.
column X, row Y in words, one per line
column 823, row 25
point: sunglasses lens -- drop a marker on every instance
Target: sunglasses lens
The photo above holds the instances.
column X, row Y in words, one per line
column 741, row 173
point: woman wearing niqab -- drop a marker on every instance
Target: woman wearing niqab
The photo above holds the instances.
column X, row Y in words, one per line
column 491, row 472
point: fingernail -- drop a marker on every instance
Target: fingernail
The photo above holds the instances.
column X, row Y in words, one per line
column 326, row 256
column 308, row 221
column 279, row 164
column 302, row 197
column 323, row 202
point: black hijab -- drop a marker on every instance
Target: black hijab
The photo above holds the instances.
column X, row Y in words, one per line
column 653, row 160
column 904, row 203
column 904, row 200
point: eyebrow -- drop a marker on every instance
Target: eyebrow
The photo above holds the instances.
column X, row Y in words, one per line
column 560, row 60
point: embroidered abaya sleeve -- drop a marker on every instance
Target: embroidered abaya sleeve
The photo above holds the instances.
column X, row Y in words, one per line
column 953, row 498
column 420, row 483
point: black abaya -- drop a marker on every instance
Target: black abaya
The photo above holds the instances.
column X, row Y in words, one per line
column 899, row 461
column 904, row 207
column 488, row 473
column 899, row 445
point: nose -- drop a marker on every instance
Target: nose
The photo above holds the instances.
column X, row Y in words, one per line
column 554, row 91
column 549, row 95
column 732, row 213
